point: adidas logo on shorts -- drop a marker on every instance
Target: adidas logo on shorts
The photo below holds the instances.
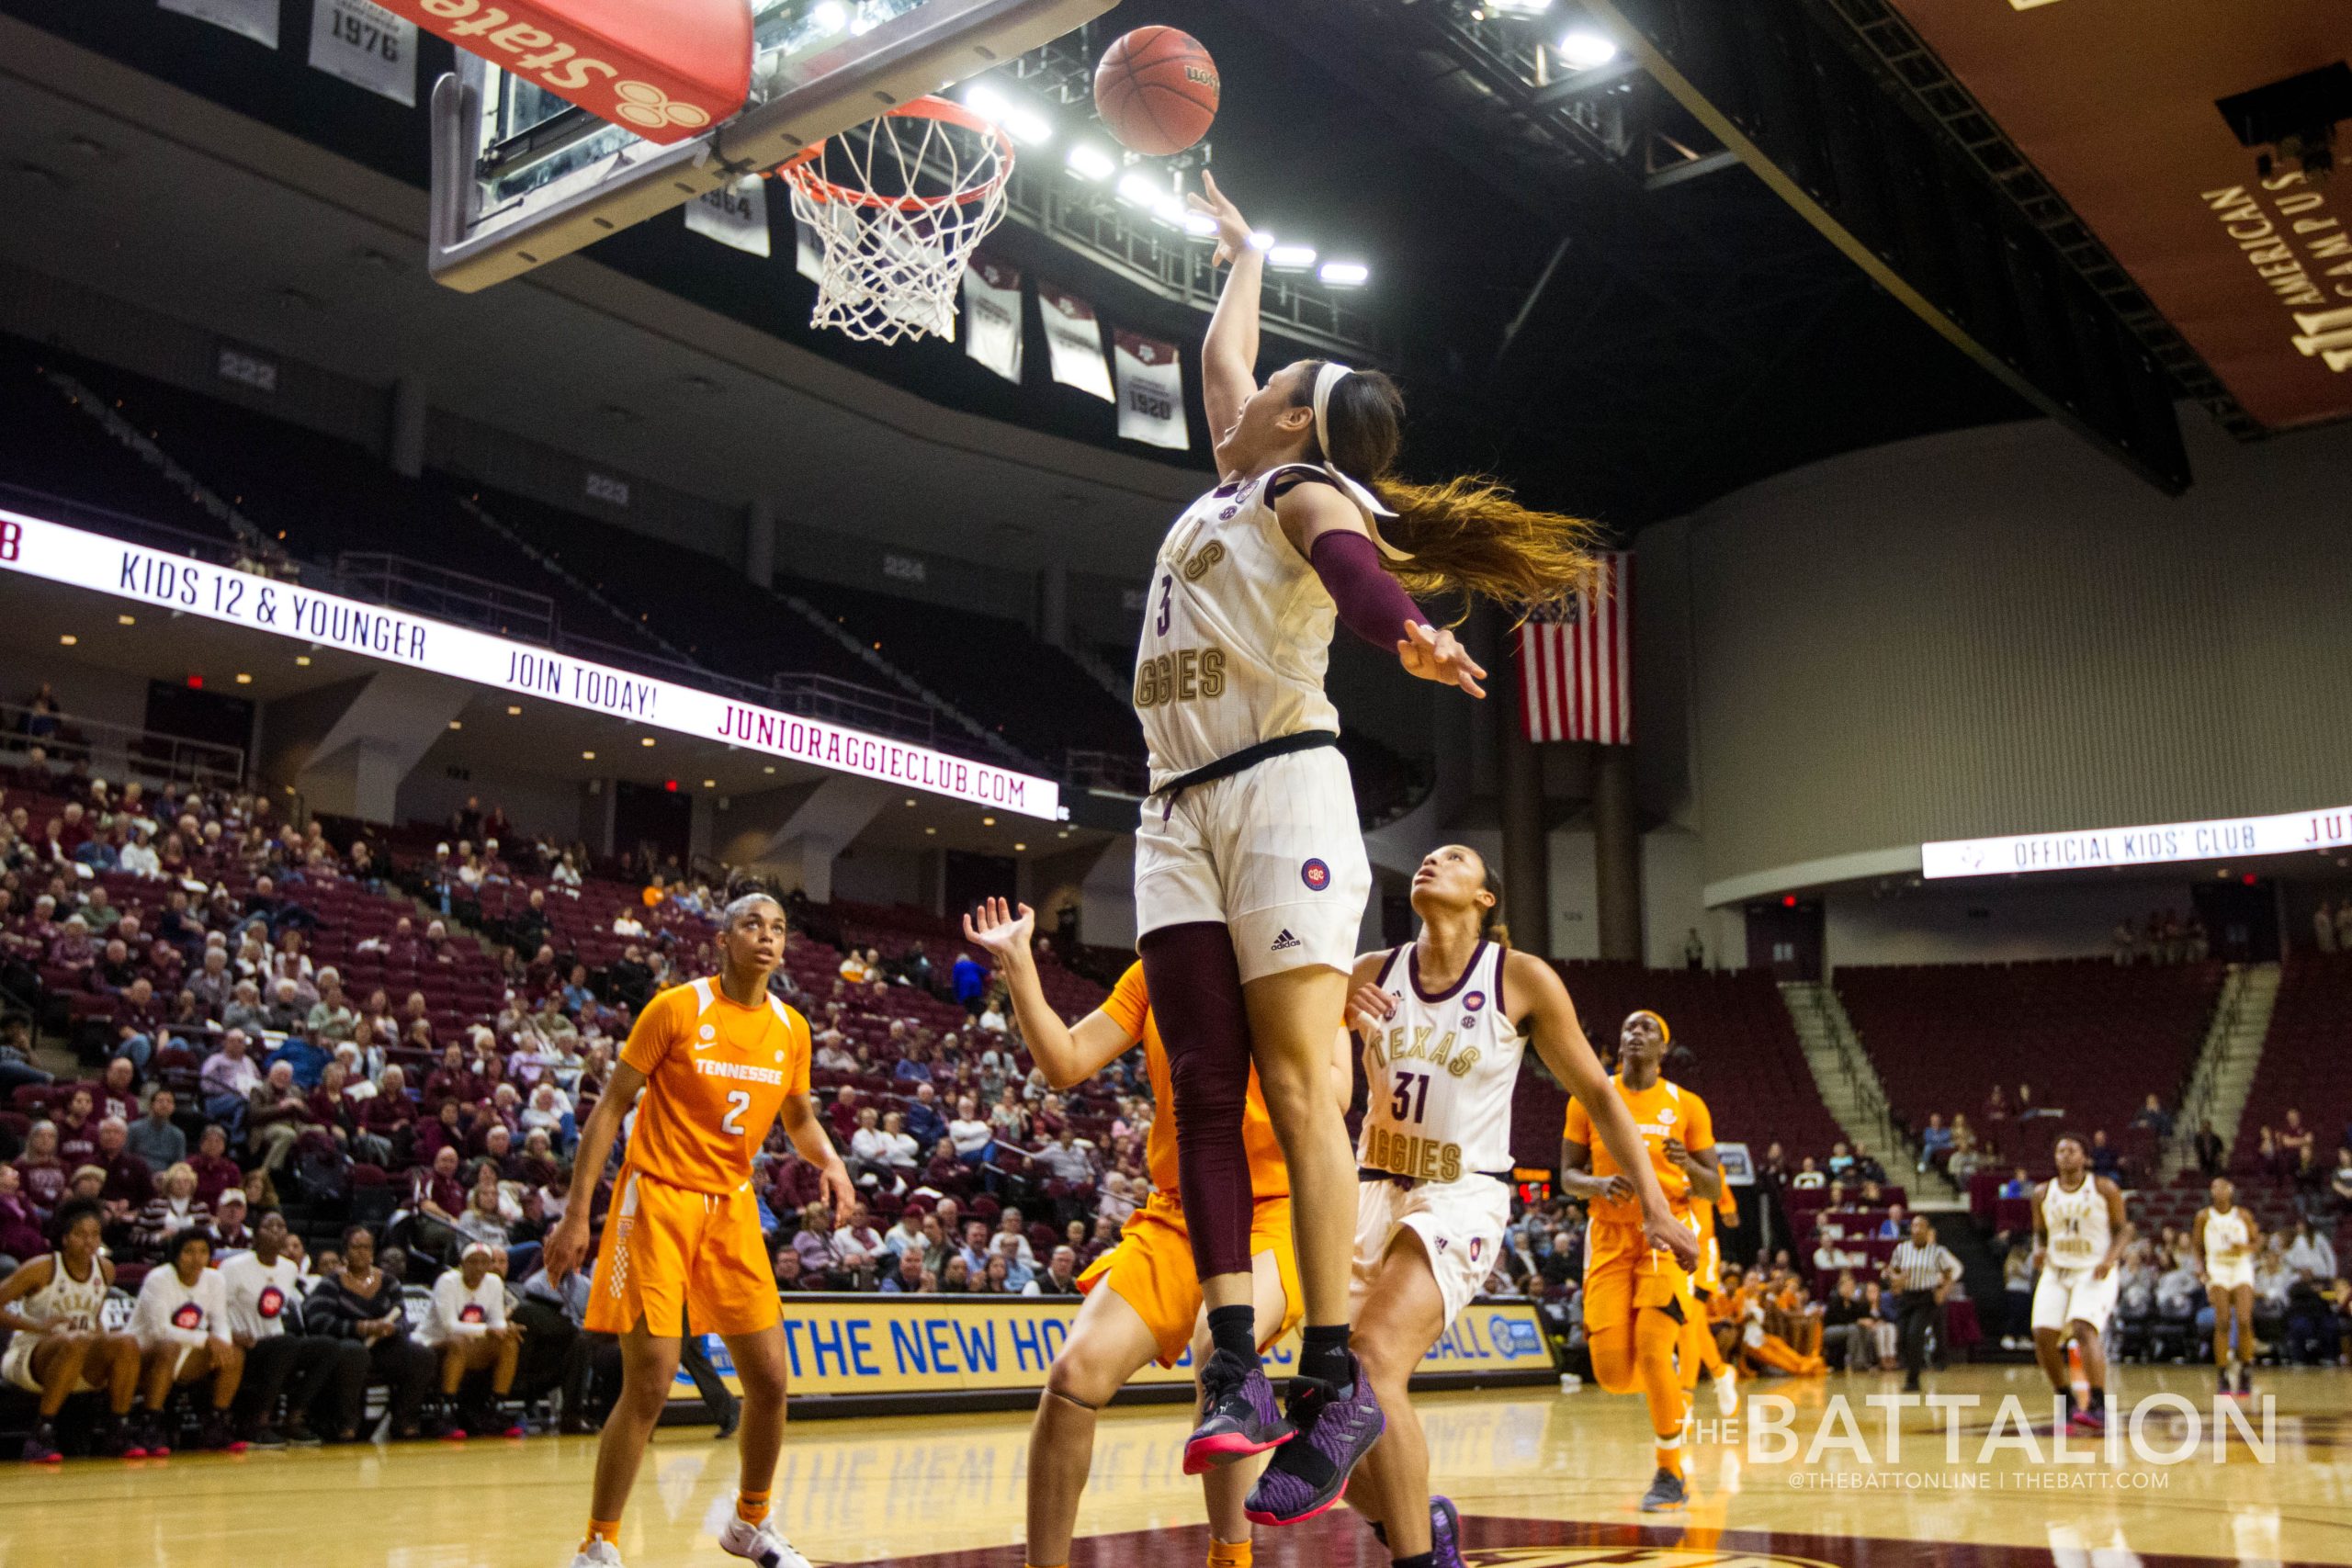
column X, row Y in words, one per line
column 1284, row 942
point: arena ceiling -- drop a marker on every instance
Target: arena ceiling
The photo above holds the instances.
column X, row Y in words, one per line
column 1625, row 320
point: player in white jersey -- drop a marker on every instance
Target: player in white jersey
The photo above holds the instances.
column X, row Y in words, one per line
column 60, row 1346
column 2080, row 1229
column 1251, row 874
column 2227, row 1239
column 1445, row 1021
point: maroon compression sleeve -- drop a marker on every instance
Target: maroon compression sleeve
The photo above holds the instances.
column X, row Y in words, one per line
column 1195, row 985
column 1371, row 603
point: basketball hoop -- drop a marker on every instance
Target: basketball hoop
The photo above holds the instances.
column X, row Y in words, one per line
column 898, row 206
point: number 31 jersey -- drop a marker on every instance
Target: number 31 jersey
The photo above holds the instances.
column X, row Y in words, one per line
column 1237, row 632
column 1442, row 1071
column 716, row 1078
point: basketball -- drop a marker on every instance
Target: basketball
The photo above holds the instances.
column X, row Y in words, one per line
column 1156, row 89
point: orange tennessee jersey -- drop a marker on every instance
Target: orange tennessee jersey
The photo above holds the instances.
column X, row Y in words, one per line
column 1661, row 1112
column 1129, row 1006
column 716, row 1078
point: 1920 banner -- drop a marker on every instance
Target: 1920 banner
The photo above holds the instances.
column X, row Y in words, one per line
column 119, row 571
column 880, row 1345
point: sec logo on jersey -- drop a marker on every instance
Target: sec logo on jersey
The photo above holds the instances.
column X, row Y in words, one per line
column 1316, row 874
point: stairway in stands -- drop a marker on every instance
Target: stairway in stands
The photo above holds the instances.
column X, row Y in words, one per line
column 2223, row 1076
column 1850, row 1088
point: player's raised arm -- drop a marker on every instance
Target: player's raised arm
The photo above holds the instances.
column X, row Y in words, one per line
column 1558, row 1038
column 567, row 1245
column 1066, row 1054
column 1229, row 352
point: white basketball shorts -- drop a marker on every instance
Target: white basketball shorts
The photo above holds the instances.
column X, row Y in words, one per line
column 1273, row 852
column 2229, row 1275
column 2072, row 1295
column 1459, row 1224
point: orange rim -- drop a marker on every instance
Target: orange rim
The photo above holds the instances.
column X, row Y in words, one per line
column 799, row 169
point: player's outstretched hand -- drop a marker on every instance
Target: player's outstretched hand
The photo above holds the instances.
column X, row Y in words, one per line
column 1434, row 654
column 1369, row 1008
column 1002, row 933
column 1666, row 1232
column 1232, row 229
column 567, row 1245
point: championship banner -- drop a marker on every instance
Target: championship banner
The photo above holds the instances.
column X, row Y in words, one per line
column 33, row 548
column 1151, row 392
column 367, row 46
column 734, row 215
column 807, row 252
column 255, row 19
column 993, row 317
column 882, row 1345
column 1074, row 338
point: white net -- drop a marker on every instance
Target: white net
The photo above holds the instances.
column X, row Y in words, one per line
column 898, row 208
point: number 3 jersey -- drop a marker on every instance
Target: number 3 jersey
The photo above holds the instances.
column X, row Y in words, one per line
column 1442, row 1071
column 1237, row 632
column 716, row 1078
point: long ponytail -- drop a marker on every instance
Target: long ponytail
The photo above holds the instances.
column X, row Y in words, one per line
column 1465, row 535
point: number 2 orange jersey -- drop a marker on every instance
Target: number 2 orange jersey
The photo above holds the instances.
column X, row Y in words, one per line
column 1661, row 1112
column 716, row 1078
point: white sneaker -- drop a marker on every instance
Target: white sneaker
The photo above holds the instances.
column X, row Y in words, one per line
column 1726, row 1393
column 599, row 1554
column 759, row 1542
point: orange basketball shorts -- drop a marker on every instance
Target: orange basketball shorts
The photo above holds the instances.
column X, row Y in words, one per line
column 1623, row 1274
column 1151, row 1270
column 670, row 1254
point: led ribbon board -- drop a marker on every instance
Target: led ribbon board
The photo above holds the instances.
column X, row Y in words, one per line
column 34, row 547
column 2225, row 838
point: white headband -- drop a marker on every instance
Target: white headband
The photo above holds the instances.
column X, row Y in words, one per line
column 1330, row 376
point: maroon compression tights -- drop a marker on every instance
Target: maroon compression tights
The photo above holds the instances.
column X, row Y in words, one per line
column 1195, row 985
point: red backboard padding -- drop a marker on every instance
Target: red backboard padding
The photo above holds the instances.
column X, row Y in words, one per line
column 664, row 69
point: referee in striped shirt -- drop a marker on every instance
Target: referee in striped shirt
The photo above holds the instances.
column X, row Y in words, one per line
column 1920, row 1272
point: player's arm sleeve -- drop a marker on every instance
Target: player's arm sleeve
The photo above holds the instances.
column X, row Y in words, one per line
column 495, row 1309
column 649, row 1041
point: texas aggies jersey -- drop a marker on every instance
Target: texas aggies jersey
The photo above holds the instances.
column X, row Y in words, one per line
column 1661, row 1112
column 1442, row 1071
column 716, row 1075
column 2077, row 1223
column 1237, row 633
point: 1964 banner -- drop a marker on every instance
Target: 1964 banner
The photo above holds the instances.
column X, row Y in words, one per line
column 119, row 571
column 911, row 1344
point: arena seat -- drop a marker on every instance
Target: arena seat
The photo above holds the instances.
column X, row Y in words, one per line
column 2094, row 1040
column 2302, row 1060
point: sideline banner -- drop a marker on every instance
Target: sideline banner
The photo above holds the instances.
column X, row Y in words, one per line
column 127, row 571
column 911, row 1344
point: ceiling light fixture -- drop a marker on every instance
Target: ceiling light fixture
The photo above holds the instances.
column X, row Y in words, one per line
column 1089, row 162
column 1582, row 51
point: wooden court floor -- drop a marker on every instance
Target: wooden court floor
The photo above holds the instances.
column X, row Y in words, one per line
column 1544, row 1480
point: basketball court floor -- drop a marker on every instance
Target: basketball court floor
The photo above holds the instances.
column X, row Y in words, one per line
column 1544, row 1480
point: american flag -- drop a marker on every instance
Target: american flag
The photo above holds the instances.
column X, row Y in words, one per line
column 1575, row 661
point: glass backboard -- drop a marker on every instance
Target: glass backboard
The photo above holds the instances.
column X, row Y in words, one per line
column 521, row 177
